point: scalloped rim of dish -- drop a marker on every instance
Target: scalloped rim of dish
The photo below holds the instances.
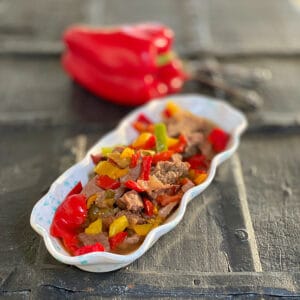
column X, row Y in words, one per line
column 95, row 258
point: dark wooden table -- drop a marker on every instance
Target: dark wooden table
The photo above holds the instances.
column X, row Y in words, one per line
column 240, row 238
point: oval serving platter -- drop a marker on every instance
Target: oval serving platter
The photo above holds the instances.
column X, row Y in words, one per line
column 225, row 116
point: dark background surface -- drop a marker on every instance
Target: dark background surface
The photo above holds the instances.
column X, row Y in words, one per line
column 240, row 238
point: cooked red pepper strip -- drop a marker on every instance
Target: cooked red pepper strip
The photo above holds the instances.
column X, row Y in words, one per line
column 107, row 183
column 70, row 242
column 134, row 160
column 148, row 207
column 166, row 113
column 117, row 239
column 162, row 156
column 150, row 143
column 142, row 123
column 180, row 146
column 164, row 200
column 133, row 186
column 144, row 119
column 219, row 139
column 97, row 247
column 146, row 167
column 140, row 127
column 198, row 161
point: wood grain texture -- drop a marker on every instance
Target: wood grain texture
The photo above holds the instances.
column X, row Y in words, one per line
column 201, row 26
column 271, row 166
column 47, row 122
column 264, row 26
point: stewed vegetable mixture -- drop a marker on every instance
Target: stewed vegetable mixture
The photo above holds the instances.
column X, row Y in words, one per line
column 137, row 186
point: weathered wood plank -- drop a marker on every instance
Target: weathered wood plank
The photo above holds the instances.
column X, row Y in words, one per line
column 42, row 118
column 254, row 26
column 36, row 91
column 271, row 168
column 77, row 284
column 201, row 26
column 239, row 238
column 38, row 20
column 281, row 92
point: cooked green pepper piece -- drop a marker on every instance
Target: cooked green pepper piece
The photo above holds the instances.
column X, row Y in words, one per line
column 106, row 150
column 160, row 131
column 109, row 194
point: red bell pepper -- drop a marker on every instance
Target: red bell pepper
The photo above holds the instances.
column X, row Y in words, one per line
column 133, row 186
column 107, row 183
column 76, row 189
column 144, row 119
column 148, row 207
column 180, row 146
column 146, row 144
column 198, row 161
column 69, row 217
column 127, row 65
column 164, row 200
column 117, row 239
column 70, row 214
column 70, row 241
column 97, row 247
column 142, row 123
column 146, row 167
column 219, row 139
column 134, row 160
column 162, row 156
column 171, row 76
column 150, row 143
column 166, row 113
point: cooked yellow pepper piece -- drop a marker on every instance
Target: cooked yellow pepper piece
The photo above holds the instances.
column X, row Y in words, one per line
column 148, row 152
column 171, row 142
column 141, row 139
column 142, row 229
column 118, row 225
column 192, row 174
column 107, row 168
column 94, row 228
column 172, row 108
column 91, row 200
column 127, row 153
column 200, row 178
column 121, row 162
column 156, row 222
column 155, row 210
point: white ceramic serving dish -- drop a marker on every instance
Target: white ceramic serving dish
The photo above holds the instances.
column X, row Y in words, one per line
column 219, row 112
